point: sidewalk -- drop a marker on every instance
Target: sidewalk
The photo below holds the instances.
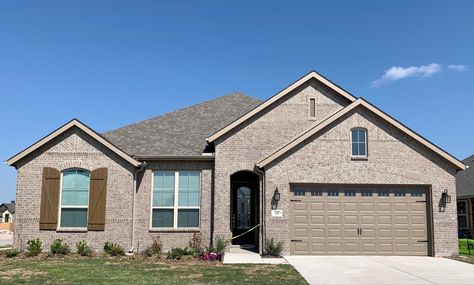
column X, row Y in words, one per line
column 244, row 256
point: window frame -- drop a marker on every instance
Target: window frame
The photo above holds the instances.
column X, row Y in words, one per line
column 466, row 204
column 175, row 206
column 358, row 156
column 60, row 208
column 312, row 108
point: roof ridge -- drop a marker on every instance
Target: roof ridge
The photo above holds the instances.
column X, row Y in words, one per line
column 234, row 93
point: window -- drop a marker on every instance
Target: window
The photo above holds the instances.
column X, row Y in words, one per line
column 333, row 193
column 316, row 193
column 299, row 193
column 416, row 193
column 383, row 193
column 176, row 199
column 74, row 198
column 400, row 194
column 312, row 107
column 349, row 193
column 6, row 219
column 462, row 215
column 359, row 142
column 366, row 193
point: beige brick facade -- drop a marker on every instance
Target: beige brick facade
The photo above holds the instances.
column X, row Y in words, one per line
column 393, row 158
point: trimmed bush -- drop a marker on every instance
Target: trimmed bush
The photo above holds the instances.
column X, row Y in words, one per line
column 34, row 247
column 180, row 253
column 155, row 248
column 272, row 248
column 59, row 247
column 113, row 249
column 12, row 253
column 83, row 248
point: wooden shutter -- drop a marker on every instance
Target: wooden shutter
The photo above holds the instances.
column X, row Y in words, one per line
column 97, row 200
column 49, row 199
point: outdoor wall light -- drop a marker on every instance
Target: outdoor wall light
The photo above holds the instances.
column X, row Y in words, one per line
column 276, row 195
column 445, row 197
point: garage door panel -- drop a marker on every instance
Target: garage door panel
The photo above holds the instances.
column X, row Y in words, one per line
column 369, row 221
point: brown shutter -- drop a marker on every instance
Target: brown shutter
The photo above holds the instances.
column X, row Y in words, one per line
column 49, row 199
column 97, row 199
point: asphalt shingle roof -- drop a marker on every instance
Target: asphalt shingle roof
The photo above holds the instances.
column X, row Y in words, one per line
column 182, row 132
column 7, row 206
column 465, row 179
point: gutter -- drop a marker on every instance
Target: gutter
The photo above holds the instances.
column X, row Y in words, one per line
column 141, row 167
column 204, row 157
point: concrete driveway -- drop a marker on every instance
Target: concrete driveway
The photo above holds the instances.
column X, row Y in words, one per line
column 382, row 270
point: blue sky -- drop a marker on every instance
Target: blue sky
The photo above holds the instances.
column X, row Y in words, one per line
column 111, row 63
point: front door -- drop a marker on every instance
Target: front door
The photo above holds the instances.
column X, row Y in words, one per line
column 243, row 212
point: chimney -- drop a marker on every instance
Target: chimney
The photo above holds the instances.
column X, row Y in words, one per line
column 12, row 201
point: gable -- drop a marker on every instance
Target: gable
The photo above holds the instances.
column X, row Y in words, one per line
column 360, row 103
column 465, row 179
column 280, row 96
column 71, row 124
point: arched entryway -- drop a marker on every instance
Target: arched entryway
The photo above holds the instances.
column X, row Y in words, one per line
column 244, row 205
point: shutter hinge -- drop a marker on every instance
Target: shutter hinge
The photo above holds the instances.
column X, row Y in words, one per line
column 423, row 241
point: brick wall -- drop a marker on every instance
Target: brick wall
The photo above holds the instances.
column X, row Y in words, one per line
column 74, row 149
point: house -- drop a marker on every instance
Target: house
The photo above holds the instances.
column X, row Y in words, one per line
column 465, row 199
column 313, row 166
column 7, row 210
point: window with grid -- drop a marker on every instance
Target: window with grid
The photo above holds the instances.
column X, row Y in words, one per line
column 74, row 198
column 359, row 142
column 176, row 199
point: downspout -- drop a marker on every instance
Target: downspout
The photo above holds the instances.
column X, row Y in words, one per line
column 262, row 209
column 141, row 168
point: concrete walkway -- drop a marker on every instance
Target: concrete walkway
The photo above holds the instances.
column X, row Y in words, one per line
column 382, row 270
column 244, row 256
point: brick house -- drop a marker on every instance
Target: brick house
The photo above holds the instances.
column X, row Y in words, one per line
column 314, row 166
column 465, row 199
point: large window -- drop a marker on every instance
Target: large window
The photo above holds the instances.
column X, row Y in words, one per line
column 176, row 199
column 359, row 142
column 462, row 215
column 74, row 198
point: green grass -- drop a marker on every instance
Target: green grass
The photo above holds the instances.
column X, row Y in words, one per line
column 142, row 271
column 463, row 249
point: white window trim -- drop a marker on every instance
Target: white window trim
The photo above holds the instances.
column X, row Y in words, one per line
column 366, row 143
column 175, row 206
column 58, row 227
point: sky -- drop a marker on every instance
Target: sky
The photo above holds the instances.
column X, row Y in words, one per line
column 112, row 63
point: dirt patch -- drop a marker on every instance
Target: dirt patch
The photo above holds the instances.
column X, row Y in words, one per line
column 17, row 272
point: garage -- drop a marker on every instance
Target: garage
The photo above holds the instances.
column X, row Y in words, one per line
column 358, row 220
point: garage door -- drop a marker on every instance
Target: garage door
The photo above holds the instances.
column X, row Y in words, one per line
column 358, row 220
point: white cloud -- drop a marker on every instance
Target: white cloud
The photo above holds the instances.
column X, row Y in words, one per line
column 398, row 72
column 458, row 67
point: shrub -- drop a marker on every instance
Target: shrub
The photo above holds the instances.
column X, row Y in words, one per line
column 113, row 249
column 83, row 248
column 34, row 247
column 272, row 248
column 180, row 253
column 195, row 242
column 210, row 249
column 221, row 245
column 12, row 253
column 155, row 248
column 58, row 247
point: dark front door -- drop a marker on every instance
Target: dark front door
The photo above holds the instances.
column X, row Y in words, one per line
column 243, row 212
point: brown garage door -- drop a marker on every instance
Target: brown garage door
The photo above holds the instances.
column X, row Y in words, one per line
column 358, row 220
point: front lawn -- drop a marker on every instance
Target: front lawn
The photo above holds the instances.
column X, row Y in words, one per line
column 463, row 246
column 139, row 271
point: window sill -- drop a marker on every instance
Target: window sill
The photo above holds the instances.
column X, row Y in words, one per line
column 174, row 230
column 362, row 158
column 71, row 230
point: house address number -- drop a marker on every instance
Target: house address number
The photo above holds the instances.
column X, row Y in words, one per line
column 277, row 213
